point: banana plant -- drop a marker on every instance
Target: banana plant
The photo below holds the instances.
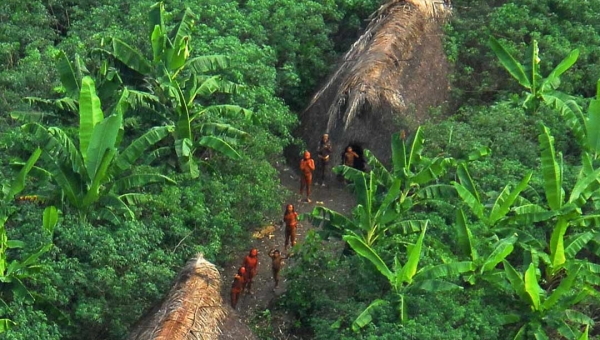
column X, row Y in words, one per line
column 175, row 85
column 541, row 308
column 15, row 272
column 372, row 217
column 543, row 90
column 416, row 173
column 491, row 214
column 96, row 172
column 407, row 278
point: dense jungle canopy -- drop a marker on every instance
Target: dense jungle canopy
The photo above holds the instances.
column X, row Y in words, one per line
column 137, row 134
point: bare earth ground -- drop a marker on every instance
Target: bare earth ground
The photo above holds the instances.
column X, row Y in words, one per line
column 251, row 307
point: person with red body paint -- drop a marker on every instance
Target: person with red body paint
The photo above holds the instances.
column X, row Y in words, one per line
column 307, row 166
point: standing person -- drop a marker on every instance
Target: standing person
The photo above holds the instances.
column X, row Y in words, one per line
column 307, row 166
column 350, row 157
column 324, row 151
column 290, row 219
column 276, row 265
column 251, row 266
column 237, row 286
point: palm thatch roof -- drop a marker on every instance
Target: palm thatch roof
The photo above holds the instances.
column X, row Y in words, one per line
column 193, row 309
column 387, row 81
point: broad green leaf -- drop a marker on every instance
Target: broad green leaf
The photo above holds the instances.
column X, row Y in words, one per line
column 140, row 180
column 208, row 63
column 577, row 243
column 367, row 252
column 593, row 123
column 557, row 248
column 6, row 324
column 131, row 57
column 407, row 227
column 416, row 148
column 90, row 114
column 516, row 281
column 584, row 335
column 18, row 184
column 448, row 270
column 563, row 288
column 510, row 64
column 103, row 139
column 584, row 188
column 67, row 75
column 531, row 213
column 503, row 248
column 471, row 201
column 50, row 218
column 183, row 28
column 532, row 287
column 365, row 317
column 158, row 42
column 139, row 147
column 433, row 286
column 432, row 171
column 100, row 177
column 506, row 199
column 570, row 111
column 156, row 15
column 226, row 110
column 578, row 317
column 219, row 145
column 561, row 68
column 521, row 333
column 13, row 244
column 464, row 237
column 399, row 157
column 221, row 130
column 466, row 181
column 551, row 171
column 410, row 268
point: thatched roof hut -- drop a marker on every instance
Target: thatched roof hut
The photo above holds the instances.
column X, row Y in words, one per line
column 386, row 82
column 193, row 309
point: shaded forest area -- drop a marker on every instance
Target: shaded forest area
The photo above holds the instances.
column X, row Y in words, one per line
column 131, row 144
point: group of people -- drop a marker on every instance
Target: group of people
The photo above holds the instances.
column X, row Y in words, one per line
column 246, row 273
column 307, row 165
column 242, row 282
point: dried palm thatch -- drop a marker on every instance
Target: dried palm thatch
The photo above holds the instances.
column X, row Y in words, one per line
column 193, row 308
column 396, row 67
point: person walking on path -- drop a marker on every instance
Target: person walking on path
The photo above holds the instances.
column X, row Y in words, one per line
column 290, row 219
column 324, row 152
column 251, row 265
column 237, row 286
column 307, row 166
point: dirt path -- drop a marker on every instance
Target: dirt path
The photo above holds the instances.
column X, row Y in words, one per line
column 333, row 196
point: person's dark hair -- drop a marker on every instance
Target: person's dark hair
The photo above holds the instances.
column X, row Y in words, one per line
column 289, row 212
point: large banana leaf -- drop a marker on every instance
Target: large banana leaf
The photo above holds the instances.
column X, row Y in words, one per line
column 208, row 63
column 182, row 127
column 593, row 124
column 470, row 200
column 219, row 145
column 510, row 64
column 183, row 29
column 90, row 114
column 552, row 81
column 464, row 236
column 407, row 227
column 571, row 113
column 100, row 177
column 399, row 157
column 220, row 129
column 158, row 42
column 104, row 137
column 365, row 317
column 531, row 213
column 557, row 247
column 464, row 178
column 138, row 148
column 551, row 170
column 18, row 184
column 410, row 267
column 140, row 180
column 532, row 288
column 156, row 16
column 416, row 148
column 378, row 169
column 50, row 219
column 516, row 281
column 506, row 199
column 225, row 110
column 584, row 188
column 131, row 57
column 563, row 288
column 503, row 248
column 367, row 252
column 444, row 270
column 576, row 243
column 67, row 75
column 330, row 219
column 432, row 171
